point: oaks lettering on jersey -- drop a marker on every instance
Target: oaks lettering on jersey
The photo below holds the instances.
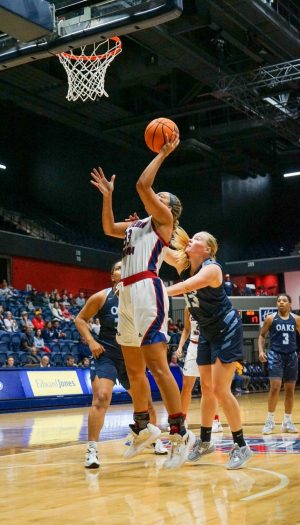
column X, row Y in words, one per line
column 285, row 327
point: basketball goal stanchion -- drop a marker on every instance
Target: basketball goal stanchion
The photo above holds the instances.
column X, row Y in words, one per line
column 86, row 72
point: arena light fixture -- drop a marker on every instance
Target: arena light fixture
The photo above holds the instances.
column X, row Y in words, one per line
column 292, row 174
column 2, row 167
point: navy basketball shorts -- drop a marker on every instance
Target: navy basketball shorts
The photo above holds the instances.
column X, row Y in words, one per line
column 107, row 368
column 226, row 344
column 283, row 366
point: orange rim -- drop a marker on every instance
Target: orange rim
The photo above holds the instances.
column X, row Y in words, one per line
column 97, row 57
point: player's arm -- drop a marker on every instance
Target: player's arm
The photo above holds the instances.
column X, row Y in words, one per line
column 208, row 276
column 160, row 213
column 185, row 332
column 106, row 187
column 91, row 307
column 262, row 356
column 297, row 319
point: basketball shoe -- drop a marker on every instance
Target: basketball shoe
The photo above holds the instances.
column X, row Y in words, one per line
column 91, row 458
column 159, row 448
column 268, row 427
column 180, row 448
column 288, row 426
column 238, row 456
column 216, row 426
column 201, row 449
column 138, row 442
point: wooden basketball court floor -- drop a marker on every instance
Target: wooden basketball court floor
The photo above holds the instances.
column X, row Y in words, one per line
column 43, row 480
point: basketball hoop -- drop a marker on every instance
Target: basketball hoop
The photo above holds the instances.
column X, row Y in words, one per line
column 86, row 73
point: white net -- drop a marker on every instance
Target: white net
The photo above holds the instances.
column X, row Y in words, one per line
column 86, row 73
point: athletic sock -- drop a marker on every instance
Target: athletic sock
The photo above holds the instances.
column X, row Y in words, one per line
column 205, row 434
column 287, row 418
column 270, row 416
column 92, row 444
column 141, row 420
column 238, row 438
column 176, row 422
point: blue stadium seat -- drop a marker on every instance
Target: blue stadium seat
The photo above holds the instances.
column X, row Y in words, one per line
column 57, row 359
column 23, row 358
column 4, row 348
column 15, row 340
column 54, row 347
column 3, row 357
column 5, row 337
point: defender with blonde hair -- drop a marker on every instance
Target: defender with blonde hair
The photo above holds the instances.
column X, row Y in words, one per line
column 221, row 338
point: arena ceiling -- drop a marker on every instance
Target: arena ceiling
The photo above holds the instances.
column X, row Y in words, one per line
column 226, row 71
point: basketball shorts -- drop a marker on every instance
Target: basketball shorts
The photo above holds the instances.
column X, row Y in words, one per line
column 283, row 366
column 143, row 313
column 190, row 367
column 226, row 345
column 107, row 368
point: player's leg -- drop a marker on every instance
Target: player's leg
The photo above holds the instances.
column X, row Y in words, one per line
column 102, row 393
column 182, row 440
column 290, row 377
column 186, row 392
column 222, row 379
column 143, row 433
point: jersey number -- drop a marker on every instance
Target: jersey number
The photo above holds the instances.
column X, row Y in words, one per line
column 285, row 339
column 192, row 300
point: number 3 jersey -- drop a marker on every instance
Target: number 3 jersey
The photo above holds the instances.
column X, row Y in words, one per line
column 283, row 335
column 143, row 249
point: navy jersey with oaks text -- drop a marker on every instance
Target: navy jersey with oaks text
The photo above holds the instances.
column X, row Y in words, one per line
column 221, row 334
column 108, row 316
column 283, row 334
column 208, row 305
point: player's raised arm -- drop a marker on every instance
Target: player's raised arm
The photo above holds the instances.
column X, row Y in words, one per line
column 153, row 204
column 106, row 187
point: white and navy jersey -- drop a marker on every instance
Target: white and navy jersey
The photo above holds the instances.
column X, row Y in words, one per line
column 108, row 316
column 207, row 305
column 143, row 248
column 283, row 334
column 195, row 332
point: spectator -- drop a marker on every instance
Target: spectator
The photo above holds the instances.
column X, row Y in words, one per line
column 171, row 326
column 80, row 301
column 39, row 342
column 243, row 379
column 25, row 321
column 85, row 363
column 70, row 362
column 33, row 359
column 48, row 333
column 58, row 334
column 10, row 362
column 2, row 325
column 83, row 350
column 67, row 316
column 174, row 361
column 27, row 340
column 229, row 285
column 10, row 323
column 45, row 299
column 65, row 300
column 72, row 300
column 45, row 362
column 38, row 321
column 56, row 311
column 96, row 326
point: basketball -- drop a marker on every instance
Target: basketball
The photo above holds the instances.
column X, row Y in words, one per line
column 156, row 131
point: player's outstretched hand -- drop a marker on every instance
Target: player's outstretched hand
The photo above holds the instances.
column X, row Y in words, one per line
column 104, row 185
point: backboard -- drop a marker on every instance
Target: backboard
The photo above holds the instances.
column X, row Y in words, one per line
column 81, row 22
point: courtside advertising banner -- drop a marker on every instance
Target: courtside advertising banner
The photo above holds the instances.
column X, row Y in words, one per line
column 60, row 382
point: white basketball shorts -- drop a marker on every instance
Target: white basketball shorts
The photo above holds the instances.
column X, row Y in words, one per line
column 143, row 313
column 190, row 365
